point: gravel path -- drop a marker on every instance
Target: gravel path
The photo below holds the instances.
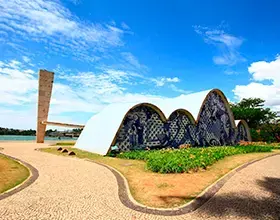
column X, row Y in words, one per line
column 71, row 188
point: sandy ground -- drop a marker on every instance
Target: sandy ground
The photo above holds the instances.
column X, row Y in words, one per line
column 71, row 188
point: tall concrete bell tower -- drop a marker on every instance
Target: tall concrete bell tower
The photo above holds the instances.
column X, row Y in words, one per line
column 44, row 97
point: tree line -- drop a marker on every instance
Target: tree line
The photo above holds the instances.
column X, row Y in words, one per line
column 11, row 131
column 263, row 122
column 30, row 132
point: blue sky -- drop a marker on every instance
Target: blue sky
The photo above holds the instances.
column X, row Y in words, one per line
column 121, row 51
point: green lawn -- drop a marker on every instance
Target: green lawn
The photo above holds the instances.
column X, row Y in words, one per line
column 12, row 173
column 65, row 144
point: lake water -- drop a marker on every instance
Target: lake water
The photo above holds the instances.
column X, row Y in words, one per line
column 31, row 138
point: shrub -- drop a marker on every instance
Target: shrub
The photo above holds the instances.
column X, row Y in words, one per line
column 260, row 143
column 186, row 159
column 267, row 133
column 184, row 146
column 255, row 135
column 254, row 148
column 136, row 154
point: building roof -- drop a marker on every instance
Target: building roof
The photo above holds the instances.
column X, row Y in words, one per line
column 100, row 130
column 237, row 122
column 191, row 102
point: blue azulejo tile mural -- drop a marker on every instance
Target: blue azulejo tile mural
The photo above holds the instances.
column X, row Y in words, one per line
column 242, row 134
column 145, row 127
column 215, row 125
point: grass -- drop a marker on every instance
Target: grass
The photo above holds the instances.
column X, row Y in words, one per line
column 164, row 185
column 12, row 173
column 187, row 160
column 166, row 190
column 65, row 144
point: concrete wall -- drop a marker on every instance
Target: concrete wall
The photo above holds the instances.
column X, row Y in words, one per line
column 44, row 97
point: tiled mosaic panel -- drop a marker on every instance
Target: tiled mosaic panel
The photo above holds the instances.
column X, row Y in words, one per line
column 181, row 129
column 214, row 126
column 144, row 128
column 242, row 134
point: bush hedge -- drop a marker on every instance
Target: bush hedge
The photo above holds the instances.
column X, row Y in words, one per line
column 185, row 160
column 65, row 144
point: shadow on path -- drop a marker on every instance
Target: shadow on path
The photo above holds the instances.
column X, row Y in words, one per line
column 250, row 206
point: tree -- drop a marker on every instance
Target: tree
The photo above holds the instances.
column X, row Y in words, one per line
column 253, row 111
column 77, row 130
column 11, row 131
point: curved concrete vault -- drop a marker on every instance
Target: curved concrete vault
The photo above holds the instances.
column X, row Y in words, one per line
column 146, row 125
column 243, row 131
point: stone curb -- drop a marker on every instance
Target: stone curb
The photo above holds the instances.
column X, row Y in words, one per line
column 127, row 199
column 34, row 174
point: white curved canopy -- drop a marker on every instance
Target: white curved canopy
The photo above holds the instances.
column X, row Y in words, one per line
column 101, row 129
column 237, row 122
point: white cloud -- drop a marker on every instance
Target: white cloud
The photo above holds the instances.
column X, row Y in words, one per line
column 107, row 81
column 91, row 92
column 109, row 86
column 23, row 119
column 161, row 81
column 176, row 89
column 18, row 95
column 16, row 85
column 227, row 45
column 130, row 58
column 54, row 25
column 26, row 59
column 79, row 92
column 231, row 72
column 262, row 71
column 76, row 2
column 125, row 26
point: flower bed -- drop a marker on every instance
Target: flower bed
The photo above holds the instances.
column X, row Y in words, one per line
column 260, row 143
column 187, row 159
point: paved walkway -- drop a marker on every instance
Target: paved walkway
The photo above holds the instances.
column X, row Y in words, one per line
column 71, row 188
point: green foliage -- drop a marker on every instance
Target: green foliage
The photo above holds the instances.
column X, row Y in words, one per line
column 267, row 133
column 30, row 132
column 254, row 149
column 48, row 132
column 11, row 131
column 184, row 160
column 255, row 135
column 65, row 143
column 77, row 130
column 137, row 154
column 253, row 111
